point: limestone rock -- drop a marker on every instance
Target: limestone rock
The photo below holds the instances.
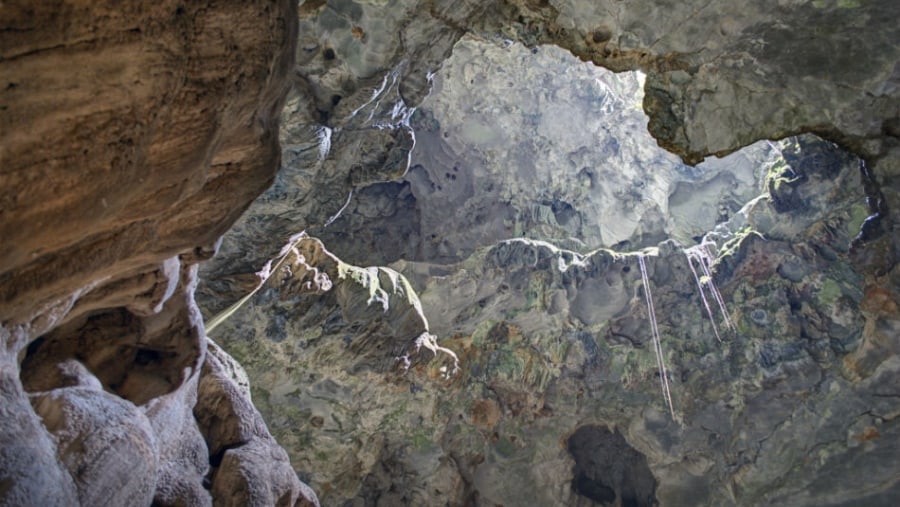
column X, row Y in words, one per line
column 104, row 442
column 28, row 452
column 567, row 160
column 717, row 80
column 183, row 455
column 558, row 340
column 249, row 468
column 258, row 474
column 226, row 419
column 131, row 136
column 360, row 69
column 134, row 135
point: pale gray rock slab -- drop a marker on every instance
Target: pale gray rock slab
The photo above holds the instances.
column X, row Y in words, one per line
column 28, row 461
column 104, row 442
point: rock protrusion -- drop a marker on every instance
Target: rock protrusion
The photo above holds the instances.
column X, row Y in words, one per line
column 133, row 135
column 247, row 465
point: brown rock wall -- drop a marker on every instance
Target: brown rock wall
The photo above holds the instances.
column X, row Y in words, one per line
column 132, row 134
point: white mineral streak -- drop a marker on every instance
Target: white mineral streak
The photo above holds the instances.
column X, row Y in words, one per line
column 704, row 258
column 654, row 332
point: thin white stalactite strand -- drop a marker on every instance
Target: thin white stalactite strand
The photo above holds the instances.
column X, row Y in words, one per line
column 264, row 274
column 657, row 343
column 707, row 265
column 712, row 319
column 340, row 211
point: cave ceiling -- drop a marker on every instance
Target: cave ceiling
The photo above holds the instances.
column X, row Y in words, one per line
column 481, row 252
column 430, row 252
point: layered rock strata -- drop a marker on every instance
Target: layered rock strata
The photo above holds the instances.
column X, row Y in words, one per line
column 131, row 137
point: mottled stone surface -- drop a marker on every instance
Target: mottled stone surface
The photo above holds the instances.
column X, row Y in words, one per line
column 793, row 405
column 566, row 158
column 132, row 134
column 718, row 78
column 551, row 342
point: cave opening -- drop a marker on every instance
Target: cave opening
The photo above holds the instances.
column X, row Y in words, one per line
column 538, row 144
column 530, row 224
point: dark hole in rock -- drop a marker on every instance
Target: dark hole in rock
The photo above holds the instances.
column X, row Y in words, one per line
column 564, row 213
column 608, row 471
column 215, row 460
column 145, row 357
column 759, row 317
column 115, row 348
column 329, row 54
column 34, row 346
column 594, row 490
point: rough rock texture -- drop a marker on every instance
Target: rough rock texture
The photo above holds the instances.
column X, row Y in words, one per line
column 168, row 114
column 793, row 404
column 249, row 468
column 718, row 78
column 131, row 136
column 567, row 159
column 556, row 346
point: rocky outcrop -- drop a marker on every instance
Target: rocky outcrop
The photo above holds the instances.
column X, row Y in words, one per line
column 131, row 136
column 717, row 80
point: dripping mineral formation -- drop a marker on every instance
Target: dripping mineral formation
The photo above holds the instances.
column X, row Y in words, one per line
column 516, row 298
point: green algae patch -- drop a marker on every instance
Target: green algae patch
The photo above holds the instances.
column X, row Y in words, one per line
column 858, row 214
column 829, row 292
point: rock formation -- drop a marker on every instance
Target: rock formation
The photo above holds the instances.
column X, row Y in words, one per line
column 132, row 136
column 790, row 404
column 505, row 354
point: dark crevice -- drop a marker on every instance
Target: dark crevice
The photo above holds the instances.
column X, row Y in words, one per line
column 608, row 471
column 215, row 460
